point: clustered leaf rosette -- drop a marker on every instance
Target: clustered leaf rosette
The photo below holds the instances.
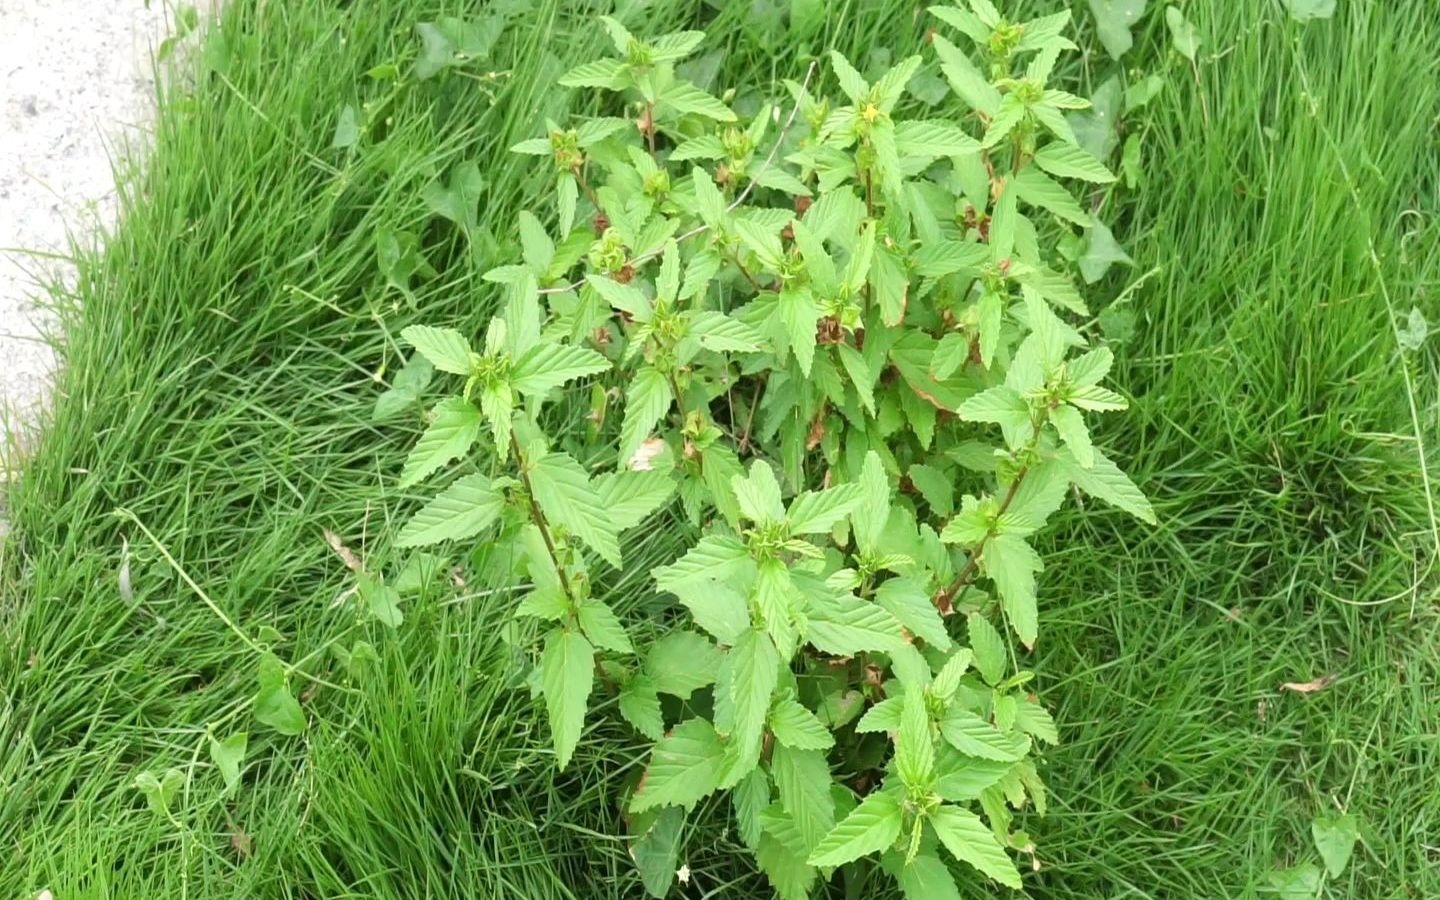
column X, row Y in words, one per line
column 843, row 350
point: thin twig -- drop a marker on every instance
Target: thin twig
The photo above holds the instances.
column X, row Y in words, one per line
column 967, row 574
column 734, row 204
column 540, row 523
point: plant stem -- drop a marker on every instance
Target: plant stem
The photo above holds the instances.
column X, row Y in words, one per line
column 650, row 128
column 966, row 577
column 744, row 443
column 585, row 186
column 538, row 518
column 735, row 258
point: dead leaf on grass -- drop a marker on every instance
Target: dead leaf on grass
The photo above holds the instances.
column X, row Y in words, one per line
column 241, row 843
column 643, row 458
column 1309, row 687
column 347, row 556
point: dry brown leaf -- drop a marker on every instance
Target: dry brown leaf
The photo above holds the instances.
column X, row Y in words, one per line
column 347, row 556
column 242, row 843
column 1309, row 687
column 644, row 456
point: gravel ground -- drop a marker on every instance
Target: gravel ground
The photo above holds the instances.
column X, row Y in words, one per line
column 75, row 91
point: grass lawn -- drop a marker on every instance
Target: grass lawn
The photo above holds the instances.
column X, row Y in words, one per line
column 222, row 357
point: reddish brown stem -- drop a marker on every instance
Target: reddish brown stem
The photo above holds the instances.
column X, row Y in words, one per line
column 966, row 577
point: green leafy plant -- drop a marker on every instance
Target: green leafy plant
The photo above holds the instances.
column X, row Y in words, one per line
column 844, row 366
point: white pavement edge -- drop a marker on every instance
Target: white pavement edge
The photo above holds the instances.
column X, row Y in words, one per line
column 76, row 93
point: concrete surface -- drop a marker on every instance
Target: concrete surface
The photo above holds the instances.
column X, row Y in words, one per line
column 75, row 91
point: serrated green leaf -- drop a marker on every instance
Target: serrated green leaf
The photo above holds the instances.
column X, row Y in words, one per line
column 1034, row 720
column 600, row 624
column 565, row 495
column 1000, row 404
column 1105, row 481
column 873, row 512
column 795, row 726
column 889, row 285
column 464, row 509
column 861, row 376
column 684, row 768
column 452, row 432
column 882, row 717
column 914, row 743
column 936, row 486
column 640, row 705
column 625, row 297
column 1040, row 190
column 886, row 158
column 687, row 99
column 965, row 778
column 926, row 877
column 933, row 139
column 1012, row 563
column 274, row 705
column 759, row 494
column 715, row 557
column 1068, row 161
column 629, row 497
column 973, row 736
column 718, row 332
column 567, row 673
column 951, row 354
column 844, row 625
column 647, row 399
column 762, row 241
column 548, row 603
column 750, row 797
column 816, row 512
column 851, row 83
column 965, row 79
column 610, row 74
column 228, row 755
column 910, row 604
column 969, row 841
column 678, row 45
column 802, row 779
column 784, row 867
column 989, row 648
column 871, row 827
column 755, row 668
column 1008, row 114
column 547, row 366
column 718, row 608
column 705, row 146
column 657, row 852
column 445, row 348
column 681, row 663
column 1070, row 425
column 950, row 258
column 799, row 314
